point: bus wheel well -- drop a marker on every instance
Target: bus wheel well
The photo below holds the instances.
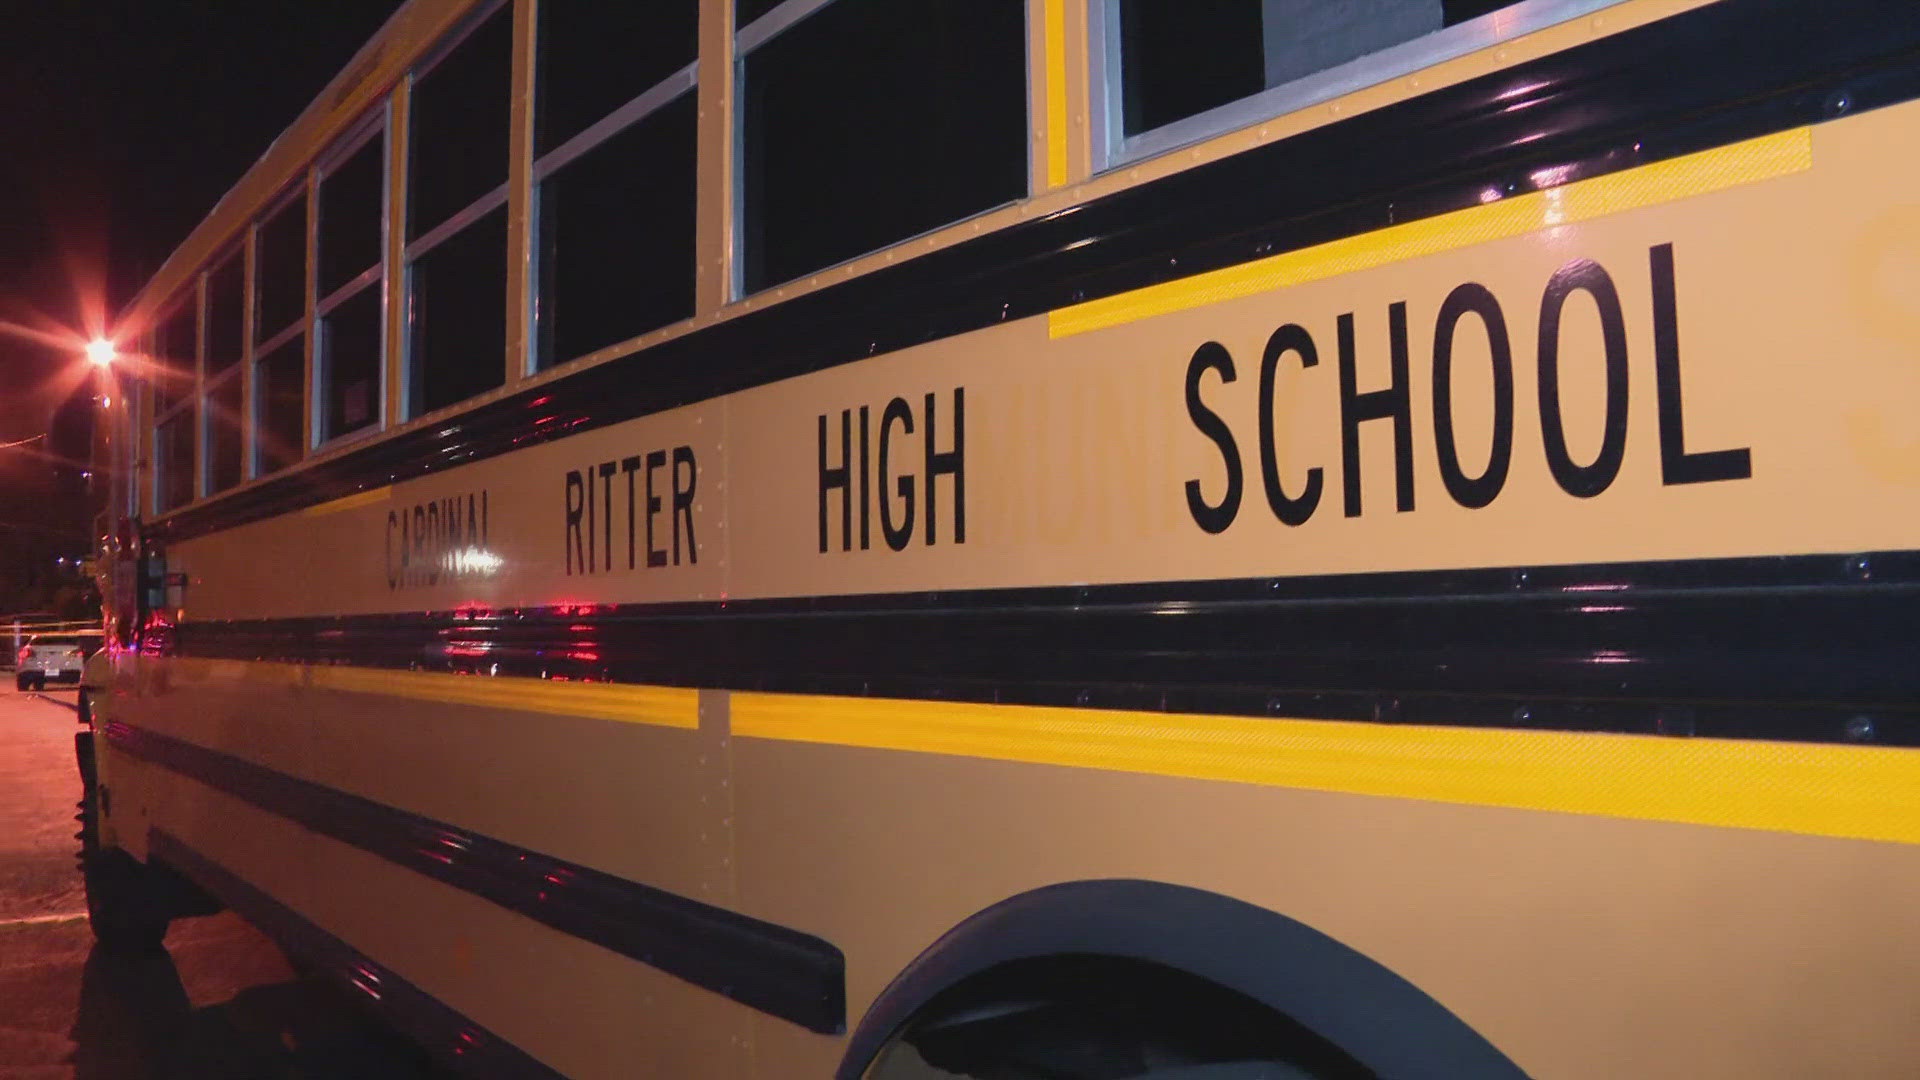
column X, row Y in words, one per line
column 1316, row 1003
column 1094, row 1017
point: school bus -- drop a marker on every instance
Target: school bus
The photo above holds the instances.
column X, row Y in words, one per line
column 1073, row 539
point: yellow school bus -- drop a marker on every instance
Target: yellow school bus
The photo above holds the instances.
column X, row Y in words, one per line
column 1076, row 538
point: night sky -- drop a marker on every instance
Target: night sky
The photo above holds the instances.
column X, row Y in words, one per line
column 122, row 122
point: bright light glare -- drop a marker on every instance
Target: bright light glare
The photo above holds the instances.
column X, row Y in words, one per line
column 100, row 351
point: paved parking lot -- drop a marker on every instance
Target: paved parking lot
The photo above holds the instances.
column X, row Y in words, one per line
column 220, row 1004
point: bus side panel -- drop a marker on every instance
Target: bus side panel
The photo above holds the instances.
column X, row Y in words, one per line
column 1580, row 945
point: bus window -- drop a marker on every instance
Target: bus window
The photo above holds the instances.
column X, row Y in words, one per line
column 173, row 461
column 350, row 217
column 627, row 202
column 1173, row 62
column 459, row 315
column 280, row 398
column 350, row 368
column 597, row 57
column 280, row 271
column 616, row 174
column 280, row 324
column 456, row 194
column 175, row 354
column 868, row 122
column 350, row 230
column 226, row 287
column 222, row 415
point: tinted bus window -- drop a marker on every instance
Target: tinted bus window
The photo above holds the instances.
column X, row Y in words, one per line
column 223, row 435
column 350, row 211
column 628, row 203
column 280, row 264
column 350, row 364
column 173, row 462
column 871, row 121
column 175, row 348
column 226, row 287
column 459, row 125
column 1183, row 57
column 280, row 402
column 459, row 316
column 596, row 57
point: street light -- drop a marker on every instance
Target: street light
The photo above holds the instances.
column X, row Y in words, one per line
column 100, row 352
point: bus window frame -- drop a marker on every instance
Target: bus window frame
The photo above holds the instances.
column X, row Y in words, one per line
column 415, row 249
column 301, row 188
column 377, row 124
column 684, row 80
column 778, row 20
column 1113, row 148
column 193, row 295
column 239, row 250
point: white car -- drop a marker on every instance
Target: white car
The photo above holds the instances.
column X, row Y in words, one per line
column 55, row 657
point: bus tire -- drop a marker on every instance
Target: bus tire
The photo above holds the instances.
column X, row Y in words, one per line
column 20, row 682
column 127, row 906
column 124, row 909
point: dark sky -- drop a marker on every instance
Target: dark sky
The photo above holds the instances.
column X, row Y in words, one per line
column 122, row 122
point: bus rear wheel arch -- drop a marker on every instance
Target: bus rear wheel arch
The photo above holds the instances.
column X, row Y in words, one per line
column 1102, row 1017
column 1094, row 980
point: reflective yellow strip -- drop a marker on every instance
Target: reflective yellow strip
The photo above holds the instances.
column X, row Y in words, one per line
column 1870, row 793
column 1649, row 185
column 1056, row 46
column 348, row 502
column 664, row 706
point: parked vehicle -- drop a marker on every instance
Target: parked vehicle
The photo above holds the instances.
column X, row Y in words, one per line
column 55, row 657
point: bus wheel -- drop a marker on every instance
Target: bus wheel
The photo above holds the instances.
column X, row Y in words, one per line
column 20, row 682
column 126, row 905
column 122, row 906
column 1092, row 1017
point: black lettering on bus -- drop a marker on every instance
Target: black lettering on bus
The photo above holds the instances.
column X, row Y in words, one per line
column 866, row 495
column 1677, row 466
column 393, row 576
column 837, row 477
column 1291, row 510
column 607, row 469
column 896, row 536
column 419, row 543
column 436, row 543
column 1213, row 518
column 1583, row 481
column 1390, row 403
column 576, row 506
column 683, row 503
column 656, row 460
column 948, row 462
column 1473, row 492
column 630, row 465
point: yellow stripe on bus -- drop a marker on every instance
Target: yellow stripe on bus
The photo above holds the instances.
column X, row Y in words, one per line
column 663, row 706
column 1861, row 792
column 1648, row 185
column 348, row 502
column 1056, row 45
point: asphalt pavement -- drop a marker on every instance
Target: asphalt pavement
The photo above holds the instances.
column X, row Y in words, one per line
column 221, row 1003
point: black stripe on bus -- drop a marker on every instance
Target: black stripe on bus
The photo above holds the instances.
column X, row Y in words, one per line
column 1724, row 72
column 1816, row 648
column 449, row 1036
column 771, row 968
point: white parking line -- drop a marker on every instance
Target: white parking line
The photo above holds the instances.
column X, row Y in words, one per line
column 36, row 920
